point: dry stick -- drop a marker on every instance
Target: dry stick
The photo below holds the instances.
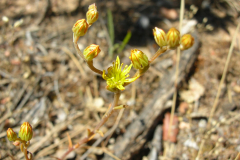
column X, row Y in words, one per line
column 75, row 61
column 102, row 122
column 48, row 149
column 223, row 78
column 177, row 70
column 105, row 136
column 219, row 89
column 110, row 154
column 237, row 156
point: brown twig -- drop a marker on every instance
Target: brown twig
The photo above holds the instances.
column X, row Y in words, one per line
column 75, row 61
column 177, row 71
column 223, row 77
column 109, row 132
column 91, row 134
column 219, row 90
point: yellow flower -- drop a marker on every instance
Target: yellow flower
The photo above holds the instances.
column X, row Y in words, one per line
column 92, row 14
column 187, row 41
column 11, row 135
column 116, row 77
column 25, row 132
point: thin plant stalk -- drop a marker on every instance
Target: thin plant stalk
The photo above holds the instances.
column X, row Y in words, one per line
column 25, row 153
column 223, row 78
column 175, row 92
column 238, row 155
column 177, row 70
column 158, row 53
column 219, row 89
column 99, row 125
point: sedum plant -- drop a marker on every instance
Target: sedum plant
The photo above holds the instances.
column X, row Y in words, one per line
column 23, row 139
column 116, row 76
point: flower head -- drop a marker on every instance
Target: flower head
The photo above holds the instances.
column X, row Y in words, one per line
column 186, row 42
column 91, row 52
column 92, row 14
column 11, row 135
column 160, row 37
column 116, row 77
column 25, row 132
column 138, row 59
column 173, row 38
column 79, row 28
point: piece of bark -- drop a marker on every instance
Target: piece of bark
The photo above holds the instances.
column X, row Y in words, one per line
column 136, row 134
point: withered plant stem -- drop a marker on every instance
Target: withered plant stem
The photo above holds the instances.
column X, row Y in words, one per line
column 107, row 115
column 219, row 91
column 99, row 125
column 223, row 78
column 175, row 93
column 177, row 70
column 238, row 155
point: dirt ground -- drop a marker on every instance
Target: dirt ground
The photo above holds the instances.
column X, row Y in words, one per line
column 43, row 82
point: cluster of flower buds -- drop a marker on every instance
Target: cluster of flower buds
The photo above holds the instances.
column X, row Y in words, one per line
column 81, row 26
column 25, row 133
column 172, row 39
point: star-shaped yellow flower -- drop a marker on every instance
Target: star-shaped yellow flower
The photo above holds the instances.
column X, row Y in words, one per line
column 116, row 77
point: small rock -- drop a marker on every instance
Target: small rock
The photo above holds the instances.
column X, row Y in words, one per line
column 202, row 123
column 190, row 143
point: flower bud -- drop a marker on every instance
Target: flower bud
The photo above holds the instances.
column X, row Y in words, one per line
column 139, row 59
column 16, row 143
column 92, row 14
column 25, row 132
column 80, row 28
column 173, row 38
column 186, row 42
column 11, row 135
column 160, row 36
column 91, row 52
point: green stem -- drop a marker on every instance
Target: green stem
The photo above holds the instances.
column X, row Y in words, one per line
column 25, row 153
column 158, row 53
column 90, row 65
column 78, row 50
